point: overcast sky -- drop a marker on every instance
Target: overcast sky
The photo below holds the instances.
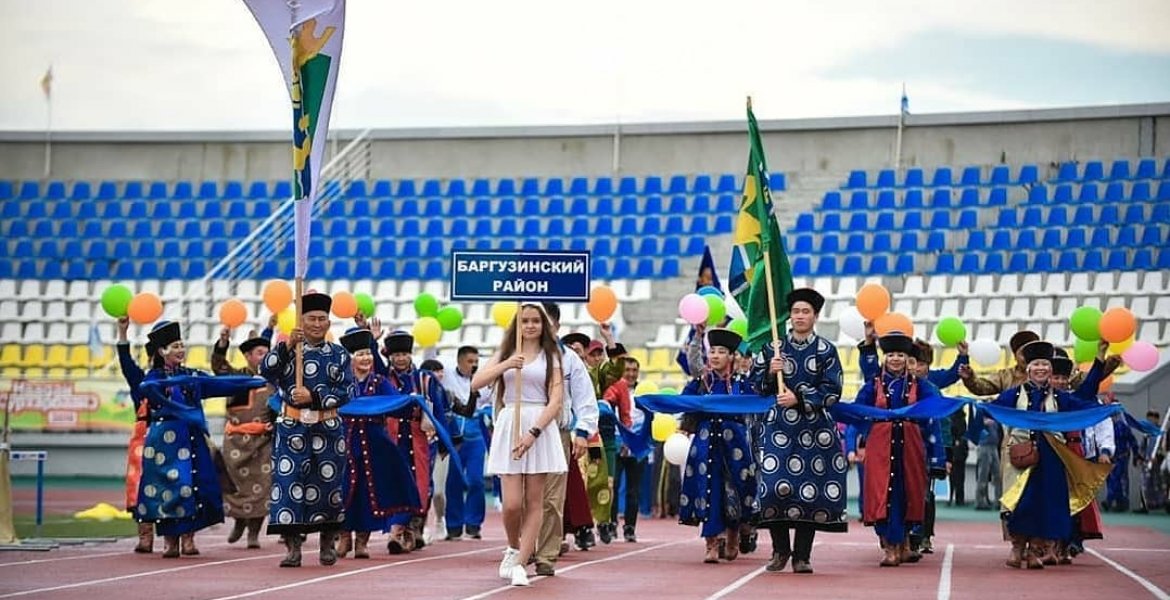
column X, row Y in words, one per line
column 182, row 65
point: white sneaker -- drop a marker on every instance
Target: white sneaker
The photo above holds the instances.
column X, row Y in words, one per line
column 440, row 528
column 509, row 561
column 519, row 575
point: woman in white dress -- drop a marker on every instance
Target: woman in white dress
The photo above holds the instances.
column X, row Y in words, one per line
column 523, row 464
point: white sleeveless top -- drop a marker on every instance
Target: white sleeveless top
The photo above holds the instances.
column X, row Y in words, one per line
column 532, row 388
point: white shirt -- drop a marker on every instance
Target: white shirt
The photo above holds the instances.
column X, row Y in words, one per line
column 459, row 386
column 580, row 399
column 1099, row 437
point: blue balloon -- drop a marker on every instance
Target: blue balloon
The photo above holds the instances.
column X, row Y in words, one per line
column 710, row 290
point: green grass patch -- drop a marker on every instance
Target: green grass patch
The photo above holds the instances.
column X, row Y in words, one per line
column 74, row 528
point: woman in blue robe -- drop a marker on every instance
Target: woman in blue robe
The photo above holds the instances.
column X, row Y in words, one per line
column 179, row 491
column 380, row 484
column 798, row 448
column 719, row 480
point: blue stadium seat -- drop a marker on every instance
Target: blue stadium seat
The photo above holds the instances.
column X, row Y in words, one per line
column 406, row 189
column 628, row 226
column 804, row 223
column 831, row 200
column 1000, row 175
column 627, row 185
column 26, row 269
column 1152, row 236
column 1164, row 191
column 1119, row 170
column 211, row 210
column 912, row 220
column 621, row 269
column 148, row 270
column 1063, row 194
column 1127, row 237
column 604, row 227
column 678, row 184
column 63, row 210
column 855, row 243
column 904, row 264
column 1089, row 193
column 728, row 184
column 802, row 244
column 1109, row 215
column 282, row 190
column 72, row 249
column 858, row 222
column 1038, row 194
column 601, row 268
column 219, row 248
column 258, row 190
column 411, row 269
column 912, row 199
column 881, row 243
column 914, row 177
column 411, row 228
column 826, row 266
column 702, row 204
column 887, row 178
column 358, row 207
column 1052, row 238
column 629, row 205
column 556, row 229
column 652, row 225
column 137, row 210
column 183, row 191
column 878, row 265
column 971, row 176
column 81, row 191
column 1094, row 171
column 648, row 247
column 435, row 248
column 1028, row 174
column 387, row 247
column 1057, row 216
column 1163, row 259
column 233, row 190
column 603, row 186
column 1084, row 215
column 1140, row 192
column 1115, row 192
column 35, row 210
column 831, row 222
column 339, row 247
column 994, row 264
column 172, row 269
column 1043, row 262
column 108, row 190
column 604, row 206
column 1147, row 168
column 1142, row 260
column 356, row 189
column 166, row 230
column 411, row 248
column 945, row 264
column 435, row 228
column 262, row 209
column 777, row 182
column 624, row 247
column 187, row 211
column 30, row 190
column 1067, row 172
column 968, row 219
column 969, row 263
column 977, row 240
column 10, row 210
column 726, row 203
column 678, row 205
column 940, row 219
column 1102, row 238
column 723, row 224
column 941, row 198
column 942, row 177
column 1032, row 217
column 671, row 246
column 5, row 189
column 505, row 207
column 701, row 184
column 969, row 197
column 801, row 267
column 382, row 189
column 1092, row 261
column 580, row 207
column 886, row 200
column 44, row 249
column 857, row 179
column 580, row 228
column 936, row 241
column 239, row 209
column 858, row 200
column 997, row 197
column 1068, row 262
column 208, row 190
column 556, row 207
column 830, row 243
column 652, row 184
column 885, row 221
column 241, row 229
column 55, row 191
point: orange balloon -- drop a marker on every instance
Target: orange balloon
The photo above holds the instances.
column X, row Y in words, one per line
column 344, row 305
column 1105, row 385
column 602, row 303
column 1117, row 325
column 891, row 322
column 233, row 313
column 873, row 300
column 277, row 295
column 145, row 308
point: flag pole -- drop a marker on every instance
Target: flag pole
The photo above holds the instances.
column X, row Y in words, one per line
column 771, row 293
column 898, row 139
column 46, row 83
column 519, row 380
column 300, row 360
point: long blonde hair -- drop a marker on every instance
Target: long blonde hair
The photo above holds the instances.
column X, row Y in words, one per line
column 548, row 344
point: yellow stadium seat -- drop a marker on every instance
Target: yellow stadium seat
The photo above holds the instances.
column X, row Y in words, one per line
column 34, row 356
column 198, row 357
column 57, row 373
column 57, row 356
column 78, row 356
column 10, row 372
column 10, row 356
column 78, row 373
column 661, row 359
column 849, row 357
column 34, row 373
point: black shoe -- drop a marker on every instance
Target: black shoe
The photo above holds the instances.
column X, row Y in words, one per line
column 454, row 533
column 473, row 533
column 604, row 533
column 590, row 539
column 747, row 542
column 778, row 562
column 801, row 566
column 581, row 538
column 628, row 533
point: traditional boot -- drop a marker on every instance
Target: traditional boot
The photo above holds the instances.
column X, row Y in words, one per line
column 327, row 555
column 292, row 558
column 187, row 545
column 397, row 543
column 890, row 555
column 344, row 543
column 731, row 551
column 1062, row 555
column 237, row 531
column 1047, row 552
column 145, row 538
column 361, row 540
column 1032, row 554
column 712, row 555
column 778, row 562
column 907, row 554
column 1019, row 547
column 254, row 532
column 170, row 546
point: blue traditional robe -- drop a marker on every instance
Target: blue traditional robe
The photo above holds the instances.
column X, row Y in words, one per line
column 798, row 450
column 898, row 456
column 179, row 490
column 719, row 480
column 380, row 482
column 405, row 428
column 309, row 458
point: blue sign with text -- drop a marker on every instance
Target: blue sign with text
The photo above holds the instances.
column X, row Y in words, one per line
column 509, row 275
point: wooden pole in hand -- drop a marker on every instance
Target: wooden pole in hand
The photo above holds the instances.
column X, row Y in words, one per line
column 300, row 360
column 765, row 250
column 518, row 381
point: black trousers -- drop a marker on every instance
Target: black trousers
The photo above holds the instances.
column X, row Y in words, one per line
column 959, row 474
column 633, row 468
column 800, row 547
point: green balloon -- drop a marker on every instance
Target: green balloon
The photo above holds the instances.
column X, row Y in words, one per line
column 951, row 331
column 116, row 300
column 667, row 392
column 365, row 304
column 450, row 318
column 1085, row 324
column 1084, row 350
column 739, row 326
column 426, row 305
column 717, row 310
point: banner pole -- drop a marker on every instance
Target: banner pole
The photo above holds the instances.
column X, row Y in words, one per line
column 769, row 288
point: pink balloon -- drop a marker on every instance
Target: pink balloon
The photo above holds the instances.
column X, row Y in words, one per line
column 693, row 309
column 1141, row 356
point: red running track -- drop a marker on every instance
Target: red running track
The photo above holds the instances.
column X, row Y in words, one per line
column 666, row 562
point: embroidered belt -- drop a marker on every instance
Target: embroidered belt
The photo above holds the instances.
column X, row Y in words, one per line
column 307, row 416
column 252, row 428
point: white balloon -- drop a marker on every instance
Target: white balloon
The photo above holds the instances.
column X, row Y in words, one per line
column 985, row 352
column 852, row 323
column 676, row 448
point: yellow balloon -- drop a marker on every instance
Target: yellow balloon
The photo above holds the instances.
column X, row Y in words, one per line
column 502, row 313
column 662, row 426
column 646, row 387
column 426, row 332
column 1119, row 347
column 286, row 321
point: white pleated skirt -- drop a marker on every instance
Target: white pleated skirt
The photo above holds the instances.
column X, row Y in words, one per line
column 546, row 455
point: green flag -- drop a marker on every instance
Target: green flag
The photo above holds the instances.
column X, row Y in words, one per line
column 757, row 238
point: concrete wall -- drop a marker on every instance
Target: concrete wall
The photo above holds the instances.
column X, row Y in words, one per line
column 813, row 147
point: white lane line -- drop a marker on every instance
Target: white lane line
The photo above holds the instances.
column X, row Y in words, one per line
column 1136, row 549
column 505, row 588
column 1153, row 589
column 357, row 572
column 944, row 579
column 738, row 583
column 127, row 552
column 135, row 576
